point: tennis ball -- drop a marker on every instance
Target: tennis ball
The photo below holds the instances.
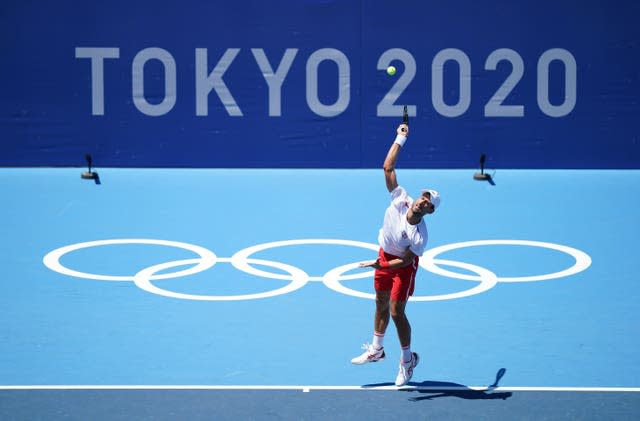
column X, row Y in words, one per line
column 391, row 70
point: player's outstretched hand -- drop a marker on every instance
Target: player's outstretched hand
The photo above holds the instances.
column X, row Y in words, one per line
column 403, row 130
column 369, row 264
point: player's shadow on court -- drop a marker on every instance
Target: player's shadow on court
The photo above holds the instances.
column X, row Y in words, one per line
column 433, row 389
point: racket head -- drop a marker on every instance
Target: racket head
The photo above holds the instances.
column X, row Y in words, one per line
column 405, row 116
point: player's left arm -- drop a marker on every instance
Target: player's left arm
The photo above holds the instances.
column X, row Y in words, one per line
column 406, row 260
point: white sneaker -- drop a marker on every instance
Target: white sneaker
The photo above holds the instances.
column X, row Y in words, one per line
column 370, row 355
column 406, row 370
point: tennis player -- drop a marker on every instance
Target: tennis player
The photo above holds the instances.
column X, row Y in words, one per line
column 402, row 240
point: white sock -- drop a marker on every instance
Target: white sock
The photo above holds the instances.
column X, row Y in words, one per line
column 378, row 340
column 406, row 354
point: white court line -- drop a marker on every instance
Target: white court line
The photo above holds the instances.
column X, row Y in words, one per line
column 311, row 388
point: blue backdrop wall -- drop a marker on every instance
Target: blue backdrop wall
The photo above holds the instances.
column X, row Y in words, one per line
column 302, row 83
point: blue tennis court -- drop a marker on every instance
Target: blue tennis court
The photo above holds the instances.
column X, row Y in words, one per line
column 205, row 289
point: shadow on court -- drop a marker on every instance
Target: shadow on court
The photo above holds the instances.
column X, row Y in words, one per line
column 435, row 389
column 432, row 390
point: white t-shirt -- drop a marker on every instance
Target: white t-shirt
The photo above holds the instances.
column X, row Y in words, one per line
column 397, row 235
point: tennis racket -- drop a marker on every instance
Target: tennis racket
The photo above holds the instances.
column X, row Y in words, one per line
column 405, row 117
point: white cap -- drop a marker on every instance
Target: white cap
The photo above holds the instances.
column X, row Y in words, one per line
column 434, row 197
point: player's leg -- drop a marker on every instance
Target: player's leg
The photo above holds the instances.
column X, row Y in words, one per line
column 402, row 289
column 374, row 351
column 381, row 319
column 401, row 321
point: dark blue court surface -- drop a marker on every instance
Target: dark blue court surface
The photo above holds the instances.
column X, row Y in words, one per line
column 233, row 294
column 316, row 405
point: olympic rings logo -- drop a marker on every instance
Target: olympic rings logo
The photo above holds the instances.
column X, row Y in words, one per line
column 333, row 279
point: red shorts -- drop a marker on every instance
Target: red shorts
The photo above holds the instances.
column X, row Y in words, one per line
column 399, row 281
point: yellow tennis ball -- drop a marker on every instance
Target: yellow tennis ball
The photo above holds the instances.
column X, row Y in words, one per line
column 391, row 70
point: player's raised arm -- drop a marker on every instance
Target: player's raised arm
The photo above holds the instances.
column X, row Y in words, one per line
column 390, row 161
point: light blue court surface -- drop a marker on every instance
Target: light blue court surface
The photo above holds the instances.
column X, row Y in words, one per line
column 262, row 316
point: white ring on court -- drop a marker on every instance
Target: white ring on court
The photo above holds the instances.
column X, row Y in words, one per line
column 488, row 281
column 583, row 261
column 239, row 259
column 143, row 278
column 52, row 259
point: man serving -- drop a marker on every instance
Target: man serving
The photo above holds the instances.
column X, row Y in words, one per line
column 402, row 240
